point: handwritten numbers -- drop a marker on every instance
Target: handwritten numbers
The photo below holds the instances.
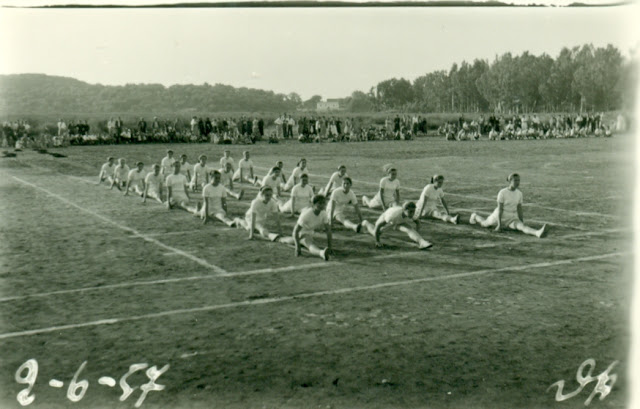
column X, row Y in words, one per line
column 126, row 389
column 28, row 372
column 603, row 387
column 31, row 366
column 153, row 374
column 72, row 393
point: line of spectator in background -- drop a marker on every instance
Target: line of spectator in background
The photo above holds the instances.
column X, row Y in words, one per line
column 532, row 127
column 246, row 130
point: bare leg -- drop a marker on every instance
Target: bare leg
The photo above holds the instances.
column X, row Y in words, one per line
column 415, row 236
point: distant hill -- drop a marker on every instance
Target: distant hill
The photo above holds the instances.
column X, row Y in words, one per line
column 24, row 94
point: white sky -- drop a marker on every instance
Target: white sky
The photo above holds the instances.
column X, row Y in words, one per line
column 330, row 52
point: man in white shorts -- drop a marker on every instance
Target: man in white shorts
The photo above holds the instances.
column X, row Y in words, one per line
column 227, row 159
column 153, row 185
column 427, row 205
column 226, row 180
column 261, row 210
column 301, row 197
column 177, row 194
column 340, row 199
column 272, row 179
column 245, row 170
column 120, row 174
column 167, row 163
column 135, row 180
column 106, row 171
column 185, row 167
column 399, row 218
column 200, row 175
column 389, row 193
column 215, row 201
column 311, row 219
column 509, row 211
column 335, row 181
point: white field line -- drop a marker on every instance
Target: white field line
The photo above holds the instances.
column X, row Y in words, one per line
column 274, row 300
column 308, row 266
column 125, row 228
column 477, row 198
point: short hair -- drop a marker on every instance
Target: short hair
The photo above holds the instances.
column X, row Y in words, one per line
column 304, row 175
column 156, row 166
column 347, row 179
column 274, row 169
column 318, row 199
column 342, row 166
column 184, row 155
column 214, row 172
column 139, row 163
column 202, row 157
column 111, row 158
column 265, row 188
column 169, row 151
column 511, row 176
column 436, row 177
column 408, row 205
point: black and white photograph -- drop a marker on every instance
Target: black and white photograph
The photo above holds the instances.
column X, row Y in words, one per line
column 327, row 205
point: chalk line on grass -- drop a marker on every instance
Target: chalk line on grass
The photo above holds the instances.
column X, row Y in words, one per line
column 125, row 228
column 273, row 300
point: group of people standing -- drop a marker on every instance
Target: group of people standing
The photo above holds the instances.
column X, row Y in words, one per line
column 173, row 181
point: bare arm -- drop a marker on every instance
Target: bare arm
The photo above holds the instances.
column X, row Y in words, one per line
column 357, row 207
column 205, row 211
column 327, row 229
column 381, row 193
column 296, row 239
column 500, row 211
column 252, row 227
column 520, row 213
column 378, row 230
column 444, row 204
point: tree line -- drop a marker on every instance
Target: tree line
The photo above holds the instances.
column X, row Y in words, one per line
column 580, row 78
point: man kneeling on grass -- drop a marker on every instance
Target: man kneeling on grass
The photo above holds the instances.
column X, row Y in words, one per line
column 400, row 218
column 310, row 220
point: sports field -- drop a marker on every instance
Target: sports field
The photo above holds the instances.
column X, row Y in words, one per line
column 481, row 320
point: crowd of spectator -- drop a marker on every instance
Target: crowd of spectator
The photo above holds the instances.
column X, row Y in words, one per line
column 532, row 127
column 247, row 130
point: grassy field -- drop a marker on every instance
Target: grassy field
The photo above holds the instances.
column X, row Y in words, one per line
column 481, row 320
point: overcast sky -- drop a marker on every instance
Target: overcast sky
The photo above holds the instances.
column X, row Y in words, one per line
column 330, row 52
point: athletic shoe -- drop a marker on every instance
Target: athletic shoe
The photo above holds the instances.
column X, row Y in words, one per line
column 365, row 201
column 237, row 222
column 424, row 245
column 542, row 231
column 455, row 219
column 241, row 195
column 472, row 219
column 325, row 254
column 255, row 180
column 359, row 228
